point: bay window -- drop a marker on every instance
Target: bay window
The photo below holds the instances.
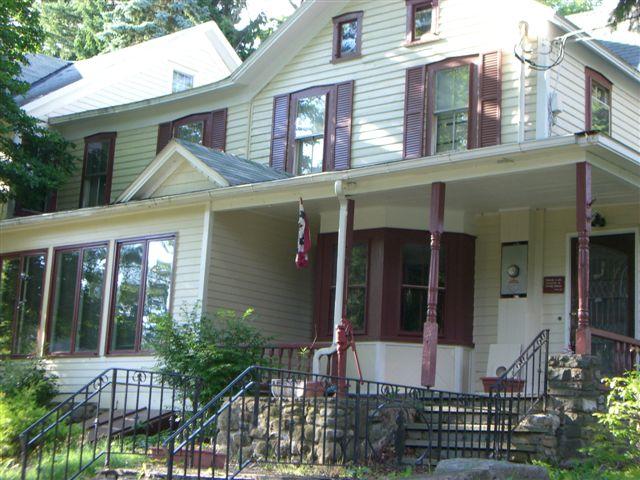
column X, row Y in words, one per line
column 414, row 289
column 388, row 285
column 143, row 284
column 76, row 299
column 97, row 170
column 357, row 286
column 21, row 293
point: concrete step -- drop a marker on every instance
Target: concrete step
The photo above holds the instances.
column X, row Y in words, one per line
column 459, row 446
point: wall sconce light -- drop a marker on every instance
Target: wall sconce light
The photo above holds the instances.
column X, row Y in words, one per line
column 598, row 220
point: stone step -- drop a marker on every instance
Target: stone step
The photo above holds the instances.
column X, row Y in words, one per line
column 460, row 446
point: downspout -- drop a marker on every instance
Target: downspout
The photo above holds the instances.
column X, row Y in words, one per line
column 340, row 276
column 521, row 102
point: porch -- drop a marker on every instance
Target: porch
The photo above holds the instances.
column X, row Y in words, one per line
column 485, row 317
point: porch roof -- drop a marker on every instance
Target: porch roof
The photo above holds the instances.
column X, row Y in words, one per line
column 496, row 170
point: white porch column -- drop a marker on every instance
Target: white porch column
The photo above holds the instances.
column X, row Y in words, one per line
column 345, row 229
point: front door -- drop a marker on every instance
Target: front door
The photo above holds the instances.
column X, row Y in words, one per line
column 611, row 286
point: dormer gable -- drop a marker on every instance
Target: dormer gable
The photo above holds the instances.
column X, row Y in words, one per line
column 182, row 167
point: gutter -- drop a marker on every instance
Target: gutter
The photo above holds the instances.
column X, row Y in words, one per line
column 326, row 180
column 591, row 44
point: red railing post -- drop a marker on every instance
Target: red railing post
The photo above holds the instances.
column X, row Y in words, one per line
column 430, row 332
column 583, row 223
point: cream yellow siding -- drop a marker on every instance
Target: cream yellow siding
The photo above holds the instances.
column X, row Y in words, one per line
column 185, row 223
column 569, row 80
column 184, row 179
column 252, row 266
column 135, row 149
column 559, row 227
column 486, row 291
column 380, row 74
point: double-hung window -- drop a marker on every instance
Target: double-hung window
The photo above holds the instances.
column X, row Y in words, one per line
column 77, row 299
column 451, row 109
column 97, row 169
column 191, row 129
column 598, row 102
column 311, row 129
column 309, row 133
column 143, row 284
column 21, row 293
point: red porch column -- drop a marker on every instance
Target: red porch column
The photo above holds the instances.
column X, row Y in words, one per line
column 583, row 224
column 430, row 333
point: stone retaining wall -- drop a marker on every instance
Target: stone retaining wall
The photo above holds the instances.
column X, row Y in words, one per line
column 311, row 430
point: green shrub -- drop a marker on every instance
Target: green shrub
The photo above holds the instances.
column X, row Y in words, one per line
column 16, row 414
column 216, row 350
column 28, row 376
column 617, row 442
column 26, row 389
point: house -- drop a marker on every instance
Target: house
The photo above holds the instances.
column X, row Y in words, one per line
column 400, row 118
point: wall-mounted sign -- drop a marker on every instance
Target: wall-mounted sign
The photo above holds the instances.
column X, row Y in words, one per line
column 513, row 276
column 553, row 284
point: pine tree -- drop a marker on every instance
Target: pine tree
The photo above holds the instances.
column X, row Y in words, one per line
column 73, row 27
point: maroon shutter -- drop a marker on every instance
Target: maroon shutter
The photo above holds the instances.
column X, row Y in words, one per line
column 489, row 99
column 164, row 135
column 342, row 135
column 279, row 131
column 218, row 138
column 414, row 112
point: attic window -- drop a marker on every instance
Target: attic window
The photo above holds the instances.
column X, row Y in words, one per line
column 422, row 19
column 598, row 102
column 347, row 36
column 97, row 169
column 181, row 81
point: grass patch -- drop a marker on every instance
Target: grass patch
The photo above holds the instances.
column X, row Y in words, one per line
column 594, row 473
column 10, row 468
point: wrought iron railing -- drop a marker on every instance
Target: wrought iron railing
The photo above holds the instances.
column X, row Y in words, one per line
column 522, row 388
column 295, row 356
column 269, row 415
column 120, row 411
column 618, row 353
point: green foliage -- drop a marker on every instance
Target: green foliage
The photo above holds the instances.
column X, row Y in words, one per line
column 72, row 27
column 27, row 378
column 216, row 350
column 33, row 159
column 622, row 418
column 26, row 389
column 568, row 7
column 626, row 10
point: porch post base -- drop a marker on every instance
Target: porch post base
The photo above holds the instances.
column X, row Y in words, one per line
column 429, row 352
column 583, row 340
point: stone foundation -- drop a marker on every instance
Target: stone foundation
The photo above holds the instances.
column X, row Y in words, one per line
column 309, row 430
column 576, row 392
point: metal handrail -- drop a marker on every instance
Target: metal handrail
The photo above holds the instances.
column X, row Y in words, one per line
column 524, row 383
column 147, row 399
column 244, row 398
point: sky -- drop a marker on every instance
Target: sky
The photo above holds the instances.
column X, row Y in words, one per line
column 273, row 8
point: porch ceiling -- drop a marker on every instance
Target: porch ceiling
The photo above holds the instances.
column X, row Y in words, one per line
column 545, row 188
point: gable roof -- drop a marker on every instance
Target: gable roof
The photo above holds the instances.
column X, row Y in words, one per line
column 132, row 74
column 222, row 169
column 621, row 42
column 281, row 46
column 39, row 66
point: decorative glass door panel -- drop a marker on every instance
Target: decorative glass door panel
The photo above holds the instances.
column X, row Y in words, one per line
column 611, row 289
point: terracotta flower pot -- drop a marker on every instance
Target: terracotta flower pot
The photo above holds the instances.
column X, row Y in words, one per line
column 509, row 385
